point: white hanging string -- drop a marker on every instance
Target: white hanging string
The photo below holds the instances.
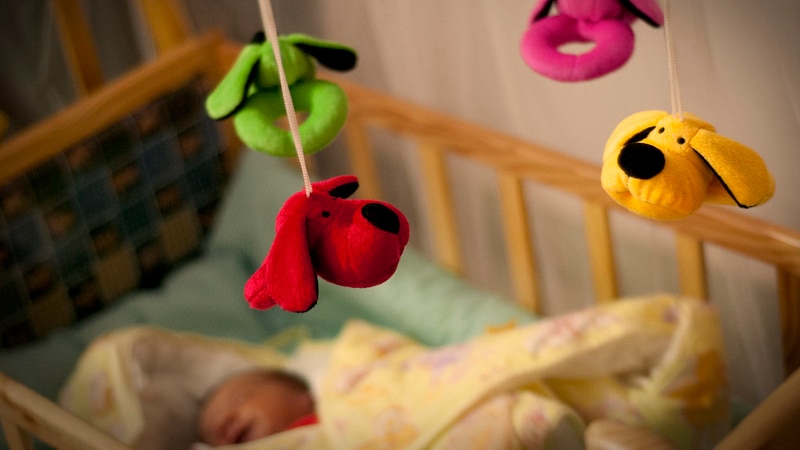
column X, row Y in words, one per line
column 268, row 19
column 672, row 64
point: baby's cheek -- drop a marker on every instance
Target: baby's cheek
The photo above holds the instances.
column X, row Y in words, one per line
column 206, row 431
column 211, row 417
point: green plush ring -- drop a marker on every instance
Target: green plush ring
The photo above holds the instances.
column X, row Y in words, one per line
column 325, row 103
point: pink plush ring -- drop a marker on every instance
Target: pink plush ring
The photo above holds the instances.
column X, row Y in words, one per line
column 613, row 45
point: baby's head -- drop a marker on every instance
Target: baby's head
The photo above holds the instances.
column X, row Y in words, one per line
column 253, row 405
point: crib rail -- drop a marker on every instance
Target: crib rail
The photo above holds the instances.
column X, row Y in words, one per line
column 516, row 162
column 166, row 21
column 66, row 128
column 773, row 424
column 26, row 414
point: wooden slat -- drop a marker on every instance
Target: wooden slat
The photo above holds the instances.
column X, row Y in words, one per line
column 32, row 146
column 51, row 423
column 691, row 266
column 601, row 252
column 773, row 424
column 789, row 298
column 362, row 158
column 78, row 45
column 168, row 23
column 16, row 437
column 440, row 206
column 519, row 245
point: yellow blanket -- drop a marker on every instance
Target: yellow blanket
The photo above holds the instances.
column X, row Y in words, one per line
column 144, row 385
column 656, row 362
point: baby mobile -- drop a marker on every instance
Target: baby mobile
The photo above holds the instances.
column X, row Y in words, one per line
column 657, row 164
column 319, row 230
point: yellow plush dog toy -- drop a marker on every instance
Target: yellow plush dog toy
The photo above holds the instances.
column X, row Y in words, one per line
column 662, row 167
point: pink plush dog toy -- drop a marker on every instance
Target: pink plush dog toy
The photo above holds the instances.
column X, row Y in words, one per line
column 606, row 23
column 353, row 243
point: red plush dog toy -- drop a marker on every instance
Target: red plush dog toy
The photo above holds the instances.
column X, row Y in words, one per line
column 353, row 243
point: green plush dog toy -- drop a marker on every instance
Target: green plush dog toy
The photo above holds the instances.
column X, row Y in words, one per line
column 662, row 167
column 250, row 93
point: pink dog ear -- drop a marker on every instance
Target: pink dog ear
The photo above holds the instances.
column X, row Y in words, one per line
column 541, row 9
column 647, row 10
column 286, row 277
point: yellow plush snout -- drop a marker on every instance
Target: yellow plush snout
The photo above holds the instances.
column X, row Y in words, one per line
column 662, row 167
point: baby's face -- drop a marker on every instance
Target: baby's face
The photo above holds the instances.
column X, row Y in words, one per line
column 249, row 407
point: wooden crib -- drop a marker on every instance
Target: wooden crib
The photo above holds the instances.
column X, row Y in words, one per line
column 435, row 136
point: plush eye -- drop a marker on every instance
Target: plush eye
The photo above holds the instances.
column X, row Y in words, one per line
column 326, row 213
column 681, row 140
column 660, row 130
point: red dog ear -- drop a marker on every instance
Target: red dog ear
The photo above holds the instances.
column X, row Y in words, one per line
column 286, row 277
column 342, row 186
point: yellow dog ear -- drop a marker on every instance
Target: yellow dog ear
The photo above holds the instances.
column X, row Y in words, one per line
column 742, row 177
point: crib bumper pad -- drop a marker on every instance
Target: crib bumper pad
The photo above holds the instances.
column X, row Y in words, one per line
column 655, row 362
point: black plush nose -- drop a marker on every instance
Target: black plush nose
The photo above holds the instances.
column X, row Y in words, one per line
column 642, row 161
column 381, row 217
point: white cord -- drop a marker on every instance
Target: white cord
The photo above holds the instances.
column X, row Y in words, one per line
column 672, row 65
column 271, row 31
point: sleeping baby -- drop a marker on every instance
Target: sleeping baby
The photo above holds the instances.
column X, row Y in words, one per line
column 156, row 389
column 255, row 404
column 655, row 362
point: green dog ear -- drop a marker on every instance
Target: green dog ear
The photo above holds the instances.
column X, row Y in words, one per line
column 332, row 55
column 231, row 92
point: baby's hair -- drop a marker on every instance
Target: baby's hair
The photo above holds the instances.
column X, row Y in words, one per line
column 280, row 375
column 264, row 373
